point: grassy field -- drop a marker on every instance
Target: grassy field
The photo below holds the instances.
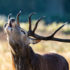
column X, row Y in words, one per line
column 42, row 47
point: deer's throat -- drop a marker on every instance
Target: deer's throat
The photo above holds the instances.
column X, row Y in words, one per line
column 20, row 62
column 23, row 60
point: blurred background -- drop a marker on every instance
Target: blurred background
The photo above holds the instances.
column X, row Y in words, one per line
column 57, row 12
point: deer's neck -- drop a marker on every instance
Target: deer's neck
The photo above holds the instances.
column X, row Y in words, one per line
column 22, row 57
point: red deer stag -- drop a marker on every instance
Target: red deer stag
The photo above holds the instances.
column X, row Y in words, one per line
column 23, row 57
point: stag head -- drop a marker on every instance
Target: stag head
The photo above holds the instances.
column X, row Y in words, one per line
column 16, row 34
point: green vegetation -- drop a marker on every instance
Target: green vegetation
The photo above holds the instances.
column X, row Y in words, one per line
column 54, row 10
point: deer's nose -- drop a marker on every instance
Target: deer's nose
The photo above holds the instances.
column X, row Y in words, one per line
column 5, row 25
column 11, row 22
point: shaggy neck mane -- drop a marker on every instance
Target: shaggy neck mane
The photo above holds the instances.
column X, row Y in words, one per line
column 23, row 57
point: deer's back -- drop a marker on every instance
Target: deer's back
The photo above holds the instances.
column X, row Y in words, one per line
column 50, row 62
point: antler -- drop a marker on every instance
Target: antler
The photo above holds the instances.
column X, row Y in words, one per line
column 9, row 16
column 30, row 20
column 37, row 23
column 30, row 26
column 51, row 37
column 18, row 17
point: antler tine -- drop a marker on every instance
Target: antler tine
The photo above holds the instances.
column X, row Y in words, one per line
column 30, row 20
column 18, row 17
column 51, row 37
column 57, row 30
column 37, row 23
column 38, row 37
column 9, row 16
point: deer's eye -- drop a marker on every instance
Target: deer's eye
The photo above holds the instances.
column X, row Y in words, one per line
column 22, row 31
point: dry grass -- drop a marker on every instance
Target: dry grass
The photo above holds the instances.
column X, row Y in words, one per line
column 42, row 47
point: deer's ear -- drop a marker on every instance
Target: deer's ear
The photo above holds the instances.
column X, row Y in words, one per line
column 33, row 41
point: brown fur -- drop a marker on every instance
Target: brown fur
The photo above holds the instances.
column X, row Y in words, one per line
column 28, row 60
column 24, row 58
column 13, row 64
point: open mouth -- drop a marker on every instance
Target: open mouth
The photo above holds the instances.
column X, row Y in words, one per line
column 10, row 25
column 11, row 21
